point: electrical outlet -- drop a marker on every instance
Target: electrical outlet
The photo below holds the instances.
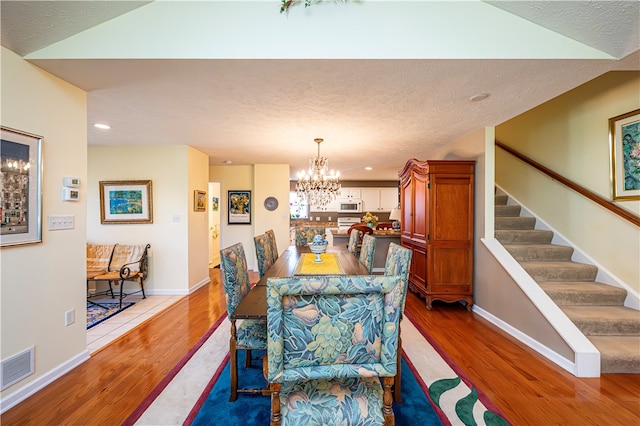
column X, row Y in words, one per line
column 69, row 317
column 317, row 218
column 329, row 218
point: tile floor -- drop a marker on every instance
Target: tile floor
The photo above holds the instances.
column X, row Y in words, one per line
column 105, row 332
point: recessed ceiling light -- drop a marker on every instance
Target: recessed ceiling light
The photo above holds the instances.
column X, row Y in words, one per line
column 479, row 97
column 226, row 162
column 368, row 168
column 102, row 126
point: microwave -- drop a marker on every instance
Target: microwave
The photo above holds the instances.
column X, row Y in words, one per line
column 349, row 206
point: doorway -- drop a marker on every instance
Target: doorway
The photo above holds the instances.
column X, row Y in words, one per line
column 214, row 224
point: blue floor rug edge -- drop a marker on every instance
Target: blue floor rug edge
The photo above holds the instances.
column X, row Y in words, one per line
column 103, row 314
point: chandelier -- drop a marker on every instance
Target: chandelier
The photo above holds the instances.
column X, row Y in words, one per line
column 317, row 185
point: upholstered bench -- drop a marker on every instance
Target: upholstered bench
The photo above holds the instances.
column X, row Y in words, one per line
column 115, row 264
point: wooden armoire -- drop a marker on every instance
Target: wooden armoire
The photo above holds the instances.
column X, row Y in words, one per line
column 437, row 203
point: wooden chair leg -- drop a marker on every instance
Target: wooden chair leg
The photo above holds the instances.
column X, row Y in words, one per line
column 276, row 417
column 247, row 358
column 387, row 401
column 233, row 363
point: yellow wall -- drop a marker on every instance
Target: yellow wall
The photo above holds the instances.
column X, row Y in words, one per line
column 39, row 282
column 198, row 257
column 263, row 181
column 569, row 135
column 272, row 180
column 175, row 172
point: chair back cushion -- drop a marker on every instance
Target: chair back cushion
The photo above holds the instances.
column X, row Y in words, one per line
column 367, row 251
column 398, row 262
column 235, row 275
column 330, row 327
column 98, row 258
column 305, row 234
column 263, row 253
column 354, row 240
column 124, row 254
column 274, row 246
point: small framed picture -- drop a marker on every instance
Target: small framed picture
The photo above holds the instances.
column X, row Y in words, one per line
column 21, row 189
column 126, row 201
column 624, row 138
column 199, row 201
column 239, row 212
column 215, row 204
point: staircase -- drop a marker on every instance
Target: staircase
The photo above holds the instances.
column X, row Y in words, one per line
column 597, row 309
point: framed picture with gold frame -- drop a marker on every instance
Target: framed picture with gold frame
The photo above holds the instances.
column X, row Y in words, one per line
column 199, row 201
column 624, row 140
column 126, row 201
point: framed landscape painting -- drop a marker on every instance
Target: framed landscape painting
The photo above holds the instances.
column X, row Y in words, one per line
column 21, row 189
column 624, row 135
column 239, row 212
column 126, row 201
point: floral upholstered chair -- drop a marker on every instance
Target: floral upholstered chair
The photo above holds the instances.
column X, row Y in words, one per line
column 354, row 242
column 398, row 262
column 264, row 253
column 331, row 340
column 367, row 252
column 274, row 245
column 249, row 334
column 305, row 234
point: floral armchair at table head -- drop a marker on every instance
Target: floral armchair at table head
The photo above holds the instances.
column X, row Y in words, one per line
column 330, row 340
column 305, row 234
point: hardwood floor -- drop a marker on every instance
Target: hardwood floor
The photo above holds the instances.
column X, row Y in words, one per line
column 527, row 389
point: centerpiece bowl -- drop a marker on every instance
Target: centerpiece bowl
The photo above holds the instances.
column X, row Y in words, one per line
column 318, row 249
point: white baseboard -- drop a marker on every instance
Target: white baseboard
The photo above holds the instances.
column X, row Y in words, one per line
column 42, row 381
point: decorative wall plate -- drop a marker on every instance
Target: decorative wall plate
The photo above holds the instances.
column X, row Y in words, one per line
column 271, row 203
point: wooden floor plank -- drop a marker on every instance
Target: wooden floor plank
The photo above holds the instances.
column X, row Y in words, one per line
column 527, row 388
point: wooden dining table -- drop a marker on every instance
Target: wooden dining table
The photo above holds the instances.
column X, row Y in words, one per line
column 254, row 304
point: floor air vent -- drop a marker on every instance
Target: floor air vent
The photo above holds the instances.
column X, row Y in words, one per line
column 17, row 367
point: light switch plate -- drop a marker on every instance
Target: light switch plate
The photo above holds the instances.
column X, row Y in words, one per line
column 60, row 222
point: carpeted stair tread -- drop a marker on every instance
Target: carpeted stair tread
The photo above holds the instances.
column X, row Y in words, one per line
column 596, row 309
column 583, row 293
column 618, row 354
column 510, row 210
column 527, row 236
column 560, row 271
column 517, row 222
column 535, row 252
column 604, row 320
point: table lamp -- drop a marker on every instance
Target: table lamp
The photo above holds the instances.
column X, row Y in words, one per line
column 395, row 216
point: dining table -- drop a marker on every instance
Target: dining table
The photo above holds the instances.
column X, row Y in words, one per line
column 292, row 262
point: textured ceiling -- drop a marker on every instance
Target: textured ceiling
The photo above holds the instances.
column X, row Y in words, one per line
column 371, row 112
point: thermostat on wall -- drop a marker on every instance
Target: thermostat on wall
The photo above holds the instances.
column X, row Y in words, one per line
column 70, row 194
column 71, row 182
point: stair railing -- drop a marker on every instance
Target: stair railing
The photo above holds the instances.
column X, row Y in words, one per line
column 625, row 214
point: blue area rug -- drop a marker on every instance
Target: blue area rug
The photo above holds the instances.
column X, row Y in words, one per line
column 97, row 314
column 254, row 410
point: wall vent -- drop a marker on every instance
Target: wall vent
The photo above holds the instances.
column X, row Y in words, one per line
column 17, row 367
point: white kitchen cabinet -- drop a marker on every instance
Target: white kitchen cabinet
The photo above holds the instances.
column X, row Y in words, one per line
column 350, row 193
column 379, row 199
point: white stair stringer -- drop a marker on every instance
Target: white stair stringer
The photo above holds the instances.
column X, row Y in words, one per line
column 586, row 362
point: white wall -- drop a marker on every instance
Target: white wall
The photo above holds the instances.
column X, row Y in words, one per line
column 175, row 171
column 569, row 135
column 42, row 281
